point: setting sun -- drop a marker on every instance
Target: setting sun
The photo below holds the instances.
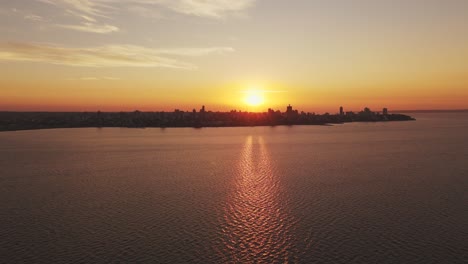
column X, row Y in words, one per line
column 254, row 98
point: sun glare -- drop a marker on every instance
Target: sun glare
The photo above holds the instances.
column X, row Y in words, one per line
column 254, row 98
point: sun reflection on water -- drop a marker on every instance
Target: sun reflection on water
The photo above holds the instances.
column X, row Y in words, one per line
column 256, row 225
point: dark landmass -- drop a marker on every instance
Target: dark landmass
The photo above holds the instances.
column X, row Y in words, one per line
column 10, row 121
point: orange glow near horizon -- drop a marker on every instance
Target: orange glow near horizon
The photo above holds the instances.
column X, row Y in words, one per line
column 114, row 99
column 147, row 95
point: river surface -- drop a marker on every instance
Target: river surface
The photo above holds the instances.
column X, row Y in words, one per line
column 393, row 192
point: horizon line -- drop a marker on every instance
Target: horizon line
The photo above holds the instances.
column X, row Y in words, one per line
column 146, row 111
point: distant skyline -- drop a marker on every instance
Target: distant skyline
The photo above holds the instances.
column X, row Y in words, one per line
column 153, row 55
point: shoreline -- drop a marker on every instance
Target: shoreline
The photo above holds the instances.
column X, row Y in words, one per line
column 193, row 127
column 16, row 121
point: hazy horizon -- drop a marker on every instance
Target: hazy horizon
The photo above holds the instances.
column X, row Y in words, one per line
column 243, row 110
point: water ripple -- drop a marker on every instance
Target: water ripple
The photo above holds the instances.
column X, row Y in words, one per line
column 255, row 226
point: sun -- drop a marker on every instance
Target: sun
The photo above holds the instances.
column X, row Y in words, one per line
column 254, row 98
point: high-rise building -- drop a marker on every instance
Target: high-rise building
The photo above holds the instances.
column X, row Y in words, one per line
column 289, row 109
column 385, row 111
column 341, row 110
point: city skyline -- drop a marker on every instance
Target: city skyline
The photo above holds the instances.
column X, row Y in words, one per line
column 204, row 117
column 108, row 55
column 258, row 109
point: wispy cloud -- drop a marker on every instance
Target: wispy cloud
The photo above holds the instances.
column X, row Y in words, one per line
column 104, row 56
column 204, row 8
column 111, row 78
column 95, row 8
column 92, row 28
column 21, row 13
column 105, row 8
column 195, row 52
column 88, row 12
column 88, row 79
column 264, row 91
column 34, row 18
column 93, row 79
column 145, row 11
column 97, row 16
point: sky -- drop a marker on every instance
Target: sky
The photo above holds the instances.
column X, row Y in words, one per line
column 159, row 55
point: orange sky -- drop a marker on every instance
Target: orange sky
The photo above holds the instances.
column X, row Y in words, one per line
column 316, row 55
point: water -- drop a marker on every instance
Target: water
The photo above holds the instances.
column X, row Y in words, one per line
column 353, row 193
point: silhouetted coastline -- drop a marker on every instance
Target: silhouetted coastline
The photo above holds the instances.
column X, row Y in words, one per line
column 11, row 121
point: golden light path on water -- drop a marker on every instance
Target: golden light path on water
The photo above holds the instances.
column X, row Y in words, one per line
column 257, row 227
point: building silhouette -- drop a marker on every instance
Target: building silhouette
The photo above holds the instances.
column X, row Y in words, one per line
column 180, row 118
column 385, row 111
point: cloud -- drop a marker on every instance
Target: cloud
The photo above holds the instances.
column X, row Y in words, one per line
column 88, row 12
column 143, row 11
column 104, row 56
column 34, row 18
column 195, row 52
column 204, row 8
column 94, row 8
column 89, row 78
column 93, row 79
column 91, row 13
column 22, row 13
column 92, row 28
column 264, row 91
column 201, row 8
